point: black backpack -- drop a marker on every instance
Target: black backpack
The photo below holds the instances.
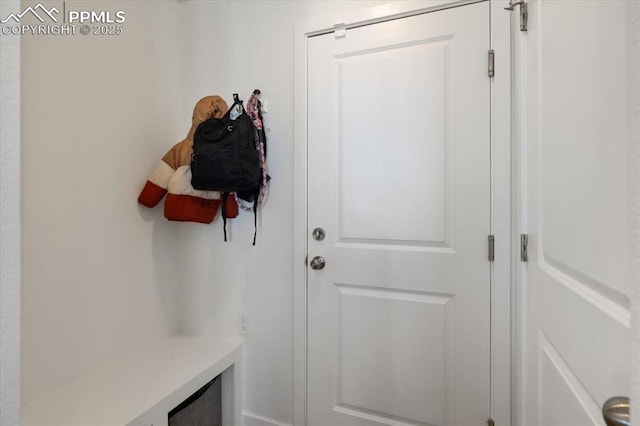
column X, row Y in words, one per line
column 225, row 157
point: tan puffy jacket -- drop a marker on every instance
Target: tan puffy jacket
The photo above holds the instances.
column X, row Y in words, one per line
column 173, row 176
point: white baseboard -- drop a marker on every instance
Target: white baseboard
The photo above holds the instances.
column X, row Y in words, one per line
column 255, row 420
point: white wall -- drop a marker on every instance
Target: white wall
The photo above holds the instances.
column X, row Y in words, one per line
column 9, row 224
column 101, row 275
column 99, row 272
column 240, row 46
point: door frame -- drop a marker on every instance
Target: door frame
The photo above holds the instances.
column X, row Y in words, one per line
column 501, row 299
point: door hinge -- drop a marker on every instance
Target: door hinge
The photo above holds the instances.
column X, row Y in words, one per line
column 492, row 248
column 491, row 63
column 524, row 242
column 490, row 422
column 524, row 13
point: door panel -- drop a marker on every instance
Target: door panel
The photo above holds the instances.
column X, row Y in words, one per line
column 399, row 178
column 583, row 86
column 411, row 148
column 577, row 350
column 377, row 326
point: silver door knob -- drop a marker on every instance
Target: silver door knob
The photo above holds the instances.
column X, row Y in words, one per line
column 616, row 411
column 317, row 263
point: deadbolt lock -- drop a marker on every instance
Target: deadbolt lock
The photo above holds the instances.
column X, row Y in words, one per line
column 318, row 234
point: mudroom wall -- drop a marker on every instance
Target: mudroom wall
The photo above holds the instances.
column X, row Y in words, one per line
column 99, row 272
column 103, row 276
column 238, row 46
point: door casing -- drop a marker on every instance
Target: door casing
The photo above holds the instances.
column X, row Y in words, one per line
column 501, row 303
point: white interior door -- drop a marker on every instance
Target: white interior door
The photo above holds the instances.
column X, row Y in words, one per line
column 399, row 179
column 575, row 325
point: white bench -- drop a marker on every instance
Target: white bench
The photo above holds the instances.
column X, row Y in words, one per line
column 141, row 388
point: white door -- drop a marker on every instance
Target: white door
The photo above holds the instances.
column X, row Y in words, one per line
column 575, row 325
column 399, row 179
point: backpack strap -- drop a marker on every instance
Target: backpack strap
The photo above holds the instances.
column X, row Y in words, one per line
column 255, row 215
column 224, row 214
